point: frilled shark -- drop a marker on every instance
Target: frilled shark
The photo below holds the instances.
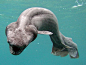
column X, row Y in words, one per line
column 35, row 21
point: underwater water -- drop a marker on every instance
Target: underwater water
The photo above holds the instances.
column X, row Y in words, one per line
column 71, row 15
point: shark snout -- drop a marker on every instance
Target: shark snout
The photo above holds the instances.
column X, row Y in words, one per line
column 16, row 49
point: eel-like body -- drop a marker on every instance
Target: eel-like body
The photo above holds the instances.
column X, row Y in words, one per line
column 35, row 21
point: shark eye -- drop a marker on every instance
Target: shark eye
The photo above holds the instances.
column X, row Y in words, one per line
column 11, row 29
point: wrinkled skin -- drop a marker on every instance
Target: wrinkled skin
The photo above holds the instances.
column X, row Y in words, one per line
column 18, row 39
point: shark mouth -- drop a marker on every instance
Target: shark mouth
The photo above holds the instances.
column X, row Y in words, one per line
column 16, row 50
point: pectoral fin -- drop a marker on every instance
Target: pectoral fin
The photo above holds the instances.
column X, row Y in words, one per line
column 45, row 32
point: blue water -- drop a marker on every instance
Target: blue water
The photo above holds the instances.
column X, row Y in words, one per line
column 71, row 15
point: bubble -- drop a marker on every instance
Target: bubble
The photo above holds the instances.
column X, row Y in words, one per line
column 78, row 4
column 37, row 43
